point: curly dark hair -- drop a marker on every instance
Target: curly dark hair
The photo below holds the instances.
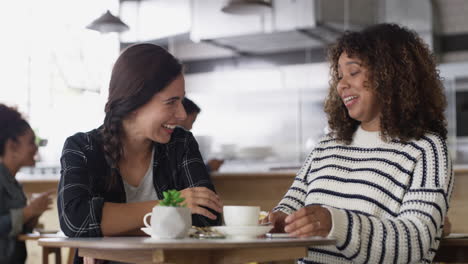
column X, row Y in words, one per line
column 141, row 71
column 402, row 75
column 12, row 125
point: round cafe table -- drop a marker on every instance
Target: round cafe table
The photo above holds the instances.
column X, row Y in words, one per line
column 189, row 250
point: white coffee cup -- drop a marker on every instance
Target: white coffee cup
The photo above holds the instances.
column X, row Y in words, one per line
column 239, row 215
column 169, row 222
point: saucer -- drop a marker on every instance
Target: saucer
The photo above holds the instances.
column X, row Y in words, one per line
column 148, row 231
column 242, row 232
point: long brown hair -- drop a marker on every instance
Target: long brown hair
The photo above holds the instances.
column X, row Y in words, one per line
column 403, row 76
column 141, row 71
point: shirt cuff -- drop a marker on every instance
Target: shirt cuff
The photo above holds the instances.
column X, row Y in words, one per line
column 282, row 209
column 17, row 221
column 339, row 230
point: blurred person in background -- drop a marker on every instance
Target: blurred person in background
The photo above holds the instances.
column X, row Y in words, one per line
column 193, row 110
column 115, row 174
column 380, row 182
column 17, row 149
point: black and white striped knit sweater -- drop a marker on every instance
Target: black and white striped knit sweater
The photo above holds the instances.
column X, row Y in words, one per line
column 388, row 200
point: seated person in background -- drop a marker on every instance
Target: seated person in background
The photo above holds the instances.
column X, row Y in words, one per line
column 381, row 181
column 17, row 149
column 120, row 170
column 192, row 111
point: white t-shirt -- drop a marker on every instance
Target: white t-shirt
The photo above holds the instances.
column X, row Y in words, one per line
column 145, row 190
column 366, row 139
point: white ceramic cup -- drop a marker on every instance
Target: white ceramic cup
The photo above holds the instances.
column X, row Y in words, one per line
column 239, row 215
column 169, row 222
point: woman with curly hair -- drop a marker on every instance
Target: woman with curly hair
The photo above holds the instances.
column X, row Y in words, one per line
column 380, row 181
column 17, row 149
column 120, row 170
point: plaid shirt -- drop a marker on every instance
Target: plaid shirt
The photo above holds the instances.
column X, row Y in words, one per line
column 82, row 190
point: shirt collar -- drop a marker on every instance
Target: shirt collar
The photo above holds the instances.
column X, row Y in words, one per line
column 366, row 139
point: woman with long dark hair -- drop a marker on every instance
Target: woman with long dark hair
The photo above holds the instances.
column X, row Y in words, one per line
column 17, row 149
column 112, row 176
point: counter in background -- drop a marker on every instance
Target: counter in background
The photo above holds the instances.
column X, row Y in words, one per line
column 267, row 188
column 262, row 188
column 458, row 212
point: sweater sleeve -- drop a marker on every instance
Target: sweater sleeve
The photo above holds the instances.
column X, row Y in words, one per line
column 413, row 234
column 294, row 198
column 17, row 221
column 79, row 212
column 11, row 221
column 5, row 220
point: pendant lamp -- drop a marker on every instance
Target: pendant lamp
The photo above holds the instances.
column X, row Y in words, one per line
column 108, row 23
column 247, row 7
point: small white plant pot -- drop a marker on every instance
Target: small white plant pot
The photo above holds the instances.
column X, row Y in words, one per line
column 169, row 222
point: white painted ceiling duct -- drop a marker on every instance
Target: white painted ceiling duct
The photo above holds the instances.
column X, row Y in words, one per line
column 228, row 28
column 261, row 27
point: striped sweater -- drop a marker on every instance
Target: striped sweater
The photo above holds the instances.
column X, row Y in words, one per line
column 387, row 200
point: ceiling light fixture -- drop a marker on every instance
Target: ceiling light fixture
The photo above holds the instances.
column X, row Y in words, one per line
column 107, row 23
column 247, row 7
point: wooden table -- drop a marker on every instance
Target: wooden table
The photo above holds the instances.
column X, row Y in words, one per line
column 46, row 251
column 188, row 250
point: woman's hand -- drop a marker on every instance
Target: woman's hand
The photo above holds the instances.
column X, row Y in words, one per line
column 214, row 164
column 41, row 203
column 38, row 205
column 32, row 223
column 277, row 220
column 309, row 221
column 201, row 196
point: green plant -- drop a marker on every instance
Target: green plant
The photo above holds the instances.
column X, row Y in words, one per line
column 40, row 142
column 172, row 198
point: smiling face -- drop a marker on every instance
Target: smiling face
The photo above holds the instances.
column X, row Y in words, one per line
column 157, row 119
column 353, row 89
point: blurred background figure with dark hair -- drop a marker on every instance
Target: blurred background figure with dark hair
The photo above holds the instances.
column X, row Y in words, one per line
column 17, row 149
column 192, row 110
